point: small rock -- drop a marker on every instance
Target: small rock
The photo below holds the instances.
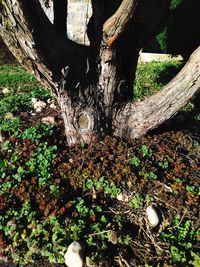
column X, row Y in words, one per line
column 74, row 255
column 34, row 101
column 33, row 113
column 48, row 119
column 39, row 104
column 153, row 215
column 9, row 115
column 38, row 110
column 5, row 91
column 71, row 160
column 124, row 197
column 53, row 106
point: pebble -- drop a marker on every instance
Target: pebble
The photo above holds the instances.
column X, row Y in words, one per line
column 74, row 255
column 53, row 106
column 38, row 105
column 124, row 197
column 38, row 110
column 49, row 119
column 152, row 215
column 5, row 91
column 34, row 101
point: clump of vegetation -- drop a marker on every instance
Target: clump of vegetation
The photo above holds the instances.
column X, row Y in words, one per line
column 151, row 77
column 52, row 195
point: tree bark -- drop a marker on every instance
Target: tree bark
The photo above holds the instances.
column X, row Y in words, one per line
column 137, row 118
column 114, row 27
column 92, row 84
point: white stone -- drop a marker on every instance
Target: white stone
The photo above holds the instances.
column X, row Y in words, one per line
column 34, row 100
column 123, row 197
column 32, row 113
column 38, row 110
column 74, row 255
column 152, row 215
column 53, row 106
column 49, row 119
column 39, row 104
column 5, row 91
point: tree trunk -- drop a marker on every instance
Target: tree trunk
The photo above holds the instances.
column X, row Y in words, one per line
column 137, row 118
column 93, row 84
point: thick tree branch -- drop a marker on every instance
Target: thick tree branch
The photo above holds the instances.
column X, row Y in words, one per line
column 34, row 31
column 56, row 49
column 117, row 24
column 136, row 118
column 18, row 37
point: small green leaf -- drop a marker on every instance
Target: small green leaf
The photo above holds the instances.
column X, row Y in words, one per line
column 3, row 163
column 89, row 184
column 135, row 161
column 196, row 259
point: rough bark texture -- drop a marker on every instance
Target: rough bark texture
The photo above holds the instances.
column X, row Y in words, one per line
column 117, row 24
column 135, row 119
column 16, row 33
column 93, row 85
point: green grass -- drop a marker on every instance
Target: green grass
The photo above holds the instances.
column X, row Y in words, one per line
column 22, row 88
column 151, row 77
column 17, row 80
column 11, row 75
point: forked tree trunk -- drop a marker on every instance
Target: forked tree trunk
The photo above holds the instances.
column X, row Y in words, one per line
column 137, row 118
column 92, row 84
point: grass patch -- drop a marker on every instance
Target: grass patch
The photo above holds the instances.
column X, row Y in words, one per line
column 12, row 75
column 151, row 77
column 22, row 87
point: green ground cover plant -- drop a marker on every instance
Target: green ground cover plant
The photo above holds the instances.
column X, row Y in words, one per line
column 52, row 195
